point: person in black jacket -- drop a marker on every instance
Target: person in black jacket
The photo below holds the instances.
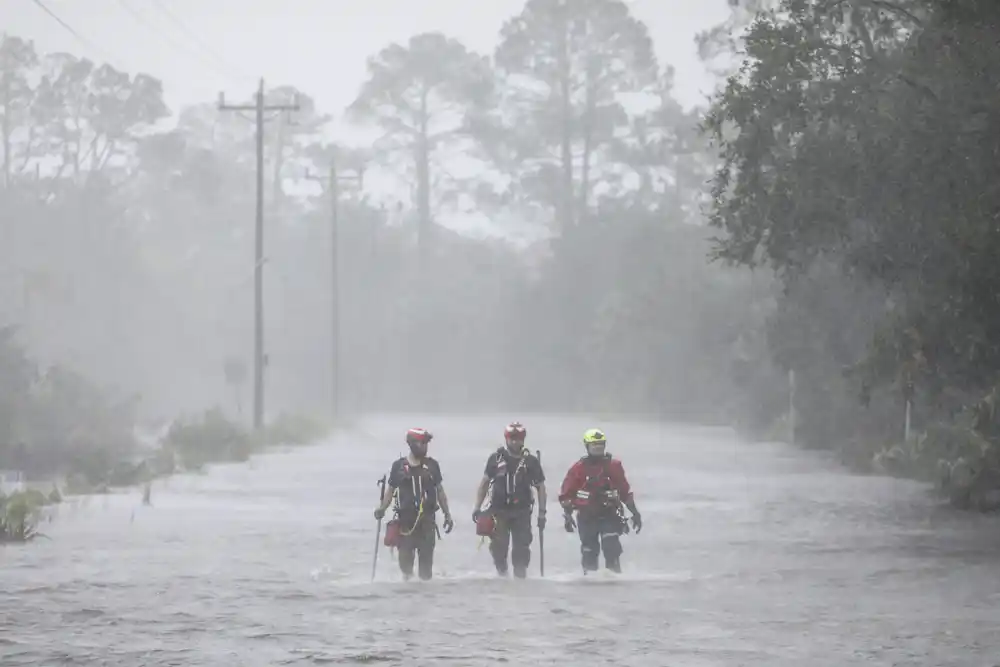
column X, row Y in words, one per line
column 510, row 474
column 416, row 483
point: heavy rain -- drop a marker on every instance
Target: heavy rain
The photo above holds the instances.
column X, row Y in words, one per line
column 564, row 332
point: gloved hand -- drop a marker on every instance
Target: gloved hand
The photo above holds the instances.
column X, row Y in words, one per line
column 541, row 520
column 476, row 515
column 568, row 522
column 448, row 523
column 637, row 522
column 379, row 513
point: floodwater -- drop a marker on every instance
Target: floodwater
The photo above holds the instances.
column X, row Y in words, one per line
column 751, row 555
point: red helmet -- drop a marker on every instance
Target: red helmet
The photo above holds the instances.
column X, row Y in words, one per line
column 418, row 436
column 515, row 431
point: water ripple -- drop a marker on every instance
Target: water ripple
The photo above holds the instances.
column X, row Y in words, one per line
column 768, row 556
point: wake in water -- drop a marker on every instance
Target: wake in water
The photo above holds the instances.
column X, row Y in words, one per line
column 341, row 579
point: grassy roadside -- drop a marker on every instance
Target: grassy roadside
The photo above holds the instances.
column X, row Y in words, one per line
column 959, row 459
column 190, row 444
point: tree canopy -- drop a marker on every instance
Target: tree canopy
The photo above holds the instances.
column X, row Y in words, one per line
column 859, row 162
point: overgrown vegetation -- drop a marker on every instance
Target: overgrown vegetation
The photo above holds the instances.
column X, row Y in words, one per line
column 860, row 165
column 57, row 425
column 190, row 444
column 64, row 428
column 20, row 513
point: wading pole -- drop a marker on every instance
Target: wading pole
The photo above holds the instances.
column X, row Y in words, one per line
column 378, row 535
column 541, row 531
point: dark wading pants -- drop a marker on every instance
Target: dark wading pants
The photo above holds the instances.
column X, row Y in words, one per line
column 601, row 528
column 513, row 532
column 417, row 546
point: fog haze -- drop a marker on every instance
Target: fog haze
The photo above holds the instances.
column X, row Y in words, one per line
column 153, row 304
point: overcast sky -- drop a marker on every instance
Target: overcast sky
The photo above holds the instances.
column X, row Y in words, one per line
column 320, row 46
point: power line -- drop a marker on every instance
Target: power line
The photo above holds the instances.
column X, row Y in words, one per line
column 152, row 28
column 141, row 19
column 71, row 30
column 199, row 42
column 41, row 5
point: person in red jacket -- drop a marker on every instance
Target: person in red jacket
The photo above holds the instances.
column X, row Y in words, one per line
column 596, row 487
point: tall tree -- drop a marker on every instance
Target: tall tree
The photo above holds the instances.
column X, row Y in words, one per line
column 71, row 130
column 295, row 133
column 18, row 61
column 857, row 134
column 663, row 159
column 421, row 96
column 565, row 67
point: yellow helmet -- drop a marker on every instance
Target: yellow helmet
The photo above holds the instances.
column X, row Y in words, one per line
column 594, row 436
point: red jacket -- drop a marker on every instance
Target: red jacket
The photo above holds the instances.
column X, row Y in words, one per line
column 590, row 483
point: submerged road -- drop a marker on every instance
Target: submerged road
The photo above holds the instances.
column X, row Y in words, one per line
column 750, row 555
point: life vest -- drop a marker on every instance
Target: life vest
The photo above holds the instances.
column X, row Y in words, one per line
column 509, row 480
column 416, row 488
column 416, row 499
column 597, row 490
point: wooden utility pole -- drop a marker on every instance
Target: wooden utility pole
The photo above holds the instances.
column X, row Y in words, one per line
column 259, row 107
column 333, row 191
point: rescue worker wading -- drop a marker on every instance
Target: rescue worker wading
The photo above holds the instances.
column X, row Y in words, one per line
column 596, row 486
column 415, row 481
column 511, row 472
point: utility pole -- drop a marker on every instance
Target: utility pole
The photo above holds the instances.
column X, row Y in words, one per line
column 259, row 107
column 333, row 191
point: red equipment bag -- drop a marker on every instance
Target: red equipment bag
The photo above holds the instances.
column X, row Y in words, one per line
column 485, row 525
column 392, row 534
